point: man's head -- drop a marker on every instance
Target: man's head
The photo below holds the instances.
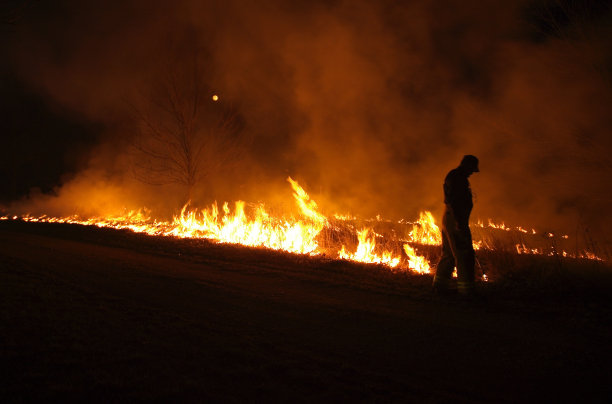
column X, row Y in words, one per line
column 470, row 164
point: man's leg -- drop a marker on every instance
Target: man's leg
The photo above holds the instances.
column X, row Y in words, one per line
column 444, row 269
column 465, row 259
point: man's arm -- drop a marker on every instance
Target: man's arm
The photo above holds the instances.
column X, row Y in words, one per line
column 457, row 192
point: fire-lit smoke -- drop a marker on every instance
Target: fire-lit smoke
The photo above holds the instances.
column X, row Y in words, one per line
column 370, row 103
column 311, row 232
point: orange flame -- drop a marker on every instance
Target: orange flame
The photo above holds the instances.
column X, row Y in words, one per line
column 366, row 251
column 256, row 227
column 425, row 231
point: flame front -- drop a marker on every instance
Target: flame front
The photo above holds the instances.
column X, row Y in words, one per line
column 425, row 231
column 306, row 205
column 260, row 230
column 416, row 262
column 366, row 251
column 254, row 226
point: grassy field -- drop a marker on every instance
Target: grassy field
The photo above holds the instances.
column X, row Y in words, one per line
column 105, row 315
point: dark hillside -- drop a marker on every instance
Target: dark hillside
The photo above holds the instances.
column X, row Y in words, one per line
column 97, row 314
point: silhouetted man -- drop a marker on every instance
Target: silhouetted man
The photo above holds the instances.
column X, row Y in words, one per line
column 457, row 249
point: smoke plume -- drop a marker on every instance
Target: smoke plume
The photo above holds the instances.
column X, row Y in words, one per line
column 367, row 104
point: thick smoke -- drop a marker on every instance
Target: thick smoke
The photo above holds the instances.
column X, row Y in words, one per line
column 368, row 104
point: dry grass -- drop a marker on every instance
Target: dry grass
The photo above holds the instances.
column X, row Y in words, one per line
column 530, row 277
column 95, row 314
column 508, row 273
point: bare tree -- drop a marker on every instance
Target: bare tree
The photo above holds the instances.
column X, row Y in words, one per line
column 186, row 132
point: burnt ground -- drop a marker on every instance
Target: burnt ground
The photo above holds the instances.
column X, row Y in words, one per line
column 104, row 315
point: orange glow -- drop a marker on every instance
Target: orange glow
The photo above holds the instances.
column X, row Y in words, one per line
column 416, row 262
column 425, row 231
column 306, row 234
column 366, row 251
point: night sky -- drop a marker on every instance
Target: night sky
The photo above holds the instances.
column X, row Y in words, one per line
column 367, row 104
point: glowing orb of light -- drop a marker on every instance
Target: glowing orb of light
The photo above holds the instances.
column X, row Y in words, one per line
column 215, row 97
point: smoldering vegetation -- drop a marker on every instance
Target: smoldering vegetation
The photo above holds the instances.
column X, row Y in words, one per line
column 368, row 105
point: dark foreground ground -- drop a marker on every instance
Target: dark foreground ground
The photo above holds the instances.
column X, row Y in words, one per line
column 101, row 315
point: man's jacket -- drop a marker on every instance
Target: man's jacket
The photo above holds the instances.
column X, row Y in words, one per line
column 458, row 196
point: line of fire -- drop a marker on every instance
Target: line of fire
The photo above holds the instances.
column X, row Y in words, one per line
column 399, row 245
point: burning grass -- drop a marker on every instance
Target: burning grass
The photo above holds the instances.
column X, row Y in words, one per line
column 400, row 246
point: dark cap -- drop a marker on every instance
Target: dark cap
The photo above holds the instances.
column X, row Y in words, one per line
column 470, row 162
